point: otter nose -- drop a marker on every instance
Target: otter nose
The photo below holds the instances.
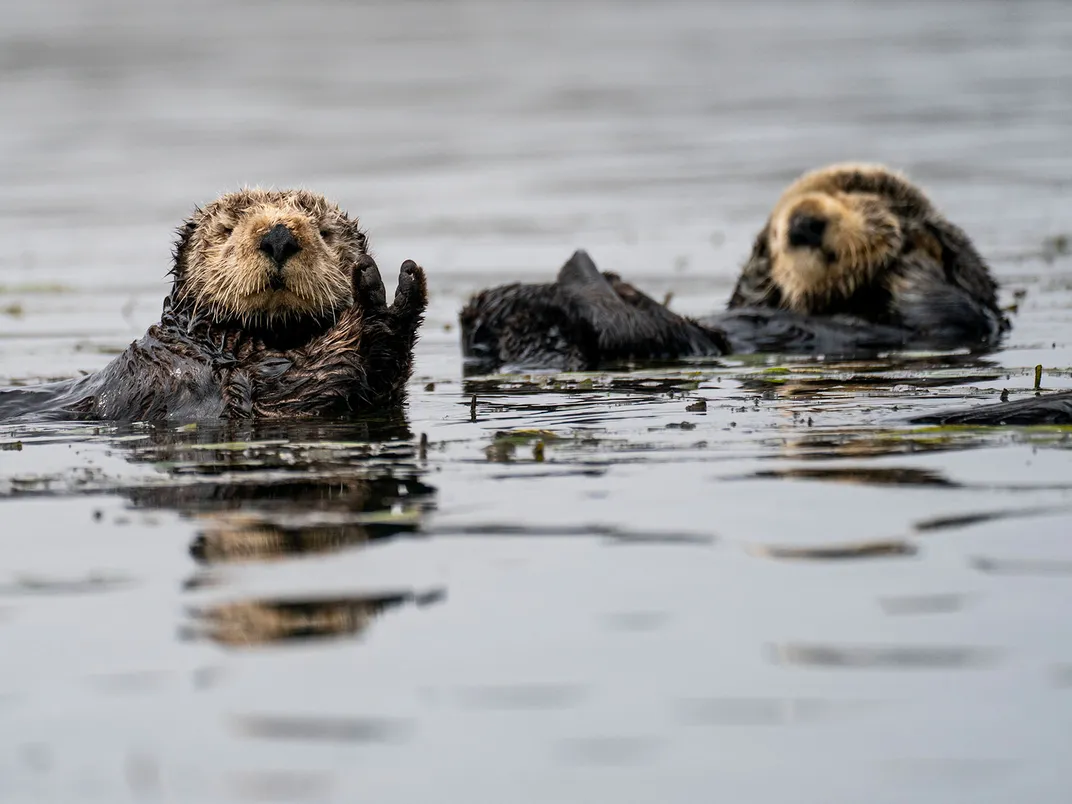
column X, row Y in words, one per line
column 279, row 244
column 806, row 230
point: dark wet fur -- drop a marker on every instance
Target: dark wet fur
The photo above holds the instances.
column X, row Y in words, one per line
column 583, row 320
column 1055, row 408
column 189, row 368
column 949, row 302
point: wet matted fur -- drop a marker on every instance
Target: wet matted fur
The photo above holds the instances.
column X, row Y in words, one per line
column 276, row 310
column 861, row 240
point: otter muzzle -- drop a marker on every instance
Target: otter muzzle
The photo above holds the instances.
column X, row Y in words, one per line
column 280, row 245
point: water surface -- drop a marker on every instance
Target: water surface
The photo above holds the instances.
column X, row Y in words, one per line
column 589, row 592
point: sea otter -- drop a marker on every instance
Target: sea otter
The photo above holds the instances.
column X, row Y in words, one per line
column 853, row 260
column 276, row 310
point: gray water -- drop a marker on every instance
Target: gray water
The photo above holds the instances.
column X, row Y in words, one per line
column 792, row 596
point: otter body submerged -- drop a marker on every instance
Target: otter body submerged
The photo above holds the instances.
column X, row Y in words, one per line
column 276, row 311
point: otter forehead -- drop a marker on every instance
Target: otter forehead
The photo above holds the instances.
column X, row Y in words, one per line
column 255, row 199
column 850, row 178
column 264, row 255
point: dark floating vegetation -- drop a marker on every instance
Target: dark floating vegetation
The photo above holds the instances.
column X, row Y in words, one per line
column 838, row 552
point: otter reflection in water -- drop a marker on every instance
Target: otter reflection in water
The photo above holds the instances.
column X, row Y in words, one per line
column 275, row 491
column 853, row 260
column 276, row 310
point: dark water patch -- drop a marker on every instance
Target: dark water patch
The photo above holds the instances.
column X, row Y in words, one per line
column 937, row 657
column 521, row 697
column 863, row 475
column 203, row 579
column 249, row 623
column 575, row 472
column 297, row 728
column 1021, row 566
column 908, row 605
column 890, row 548
column 93, row 583
column 955, row 522
column 611, row 532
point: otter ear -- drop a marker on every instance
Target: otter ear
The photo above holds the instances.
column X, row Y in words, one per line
column 182, row 241
column 359, row 238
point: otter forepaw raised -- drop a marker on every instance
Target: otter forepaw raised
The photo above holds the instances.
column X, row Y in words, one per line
column 411, row 295
column 369, row 293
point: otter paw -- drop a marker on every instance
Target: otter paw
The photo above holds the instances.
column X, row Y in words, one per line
column 368, row 288
column 411, row 295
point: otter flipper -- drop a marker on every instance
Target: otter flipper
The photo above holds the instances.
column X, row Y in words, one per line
column 582, row 320
column 625, row 322
column 1053, row 408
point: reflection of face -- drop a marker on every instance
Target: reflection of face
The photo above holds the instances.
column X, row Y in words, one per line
column 260, row 622
column 261, row 256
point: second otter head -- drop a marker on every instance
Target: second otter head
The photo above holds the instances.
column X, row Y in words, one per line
column 264, row 257
column 835, row 230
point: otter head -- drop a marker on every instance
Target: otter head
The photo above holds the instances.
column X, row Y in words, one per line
column 266, row 257
column 835, row 230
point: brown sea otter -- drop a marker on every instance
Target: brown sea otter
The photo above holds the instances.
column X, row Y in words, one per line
column 276, row 310
column 853, row 260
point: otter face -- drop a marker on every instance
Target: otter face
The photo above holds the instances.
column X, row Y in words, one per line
column 265, row 256
column 834, row 231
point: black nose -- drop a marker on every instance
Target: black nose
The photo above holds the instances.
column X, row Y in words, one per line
column 806, row 230
column 279, row 244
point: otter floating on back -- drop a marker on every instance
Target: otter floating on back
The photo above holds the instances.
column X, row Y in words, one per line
column 276, row 310
column 853, row 260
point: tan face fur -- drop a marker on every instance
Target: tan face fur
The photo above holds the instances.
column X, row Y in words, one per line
column 268, row 256
column 834, row 230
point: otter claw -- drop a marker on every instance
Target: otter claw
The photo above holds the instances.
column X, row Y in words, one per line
column 368, row 287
